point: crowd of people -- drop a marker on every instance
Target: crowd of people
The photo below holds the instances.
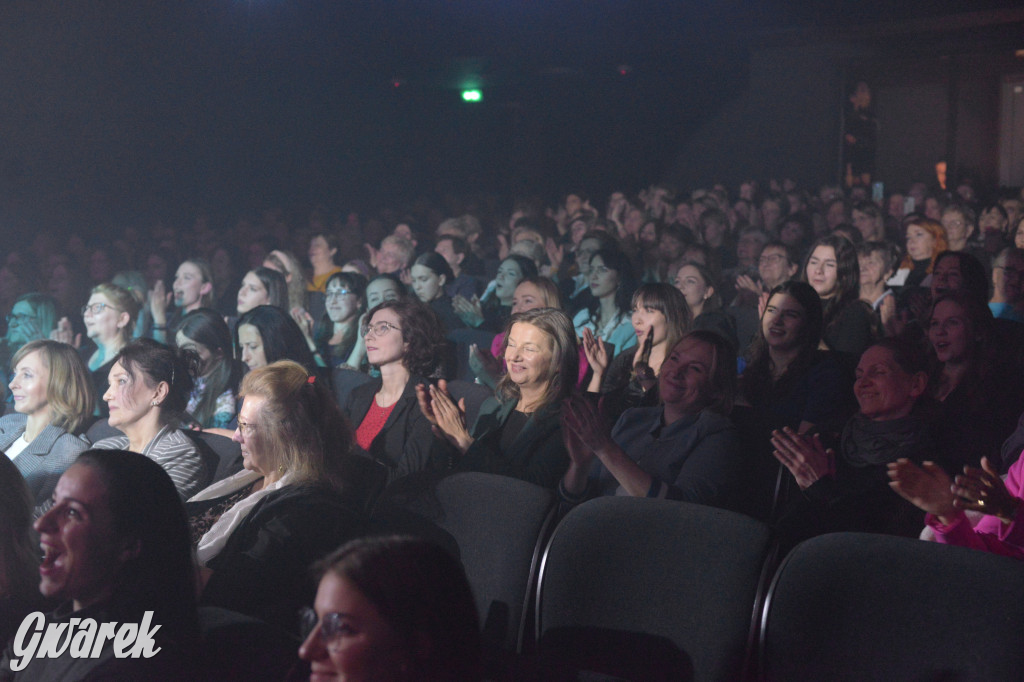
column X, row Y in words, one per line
column 817, row 360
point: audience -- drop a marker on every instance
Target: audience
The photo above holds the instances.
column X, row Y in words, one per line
column 211, row 403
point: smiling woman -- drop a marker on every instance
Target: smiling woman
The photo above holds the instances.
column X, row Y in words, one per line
column 684, row 449
column 116, row 549
column 517, row 433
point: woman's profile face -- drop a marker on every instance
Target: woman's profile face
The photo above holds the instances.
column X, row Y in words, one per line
column 250, row 342
column 783, row 322
column 1018, row 236
column 28, row 387
column 823, row 271
column 685, row 378
column 508, row 277
column 128, row 398
column 351, row 640
column 427, row 284
column 253, row 456
column 384, row 338
column 252, row 293
column 82, row 552
column 920, row 243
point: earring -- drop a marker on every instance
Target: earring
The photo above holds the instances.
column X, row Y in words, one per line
column 154, row 403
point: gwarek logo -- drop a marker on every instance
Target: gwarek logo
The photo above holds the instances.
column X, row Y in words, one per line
column 81, row 638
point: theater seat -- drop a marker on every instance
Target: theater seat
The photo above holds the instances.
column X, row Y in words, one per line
column 855, row 606
column 646, row 589
column 500, row 525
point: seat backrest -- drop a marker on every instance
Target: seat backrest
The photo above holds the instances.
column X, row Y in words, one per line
column 345, row 380
column 856, row 606
column 233, row 646
column 229, row 454
column 474, row 394
column 500, row 525
column 685, row 573
column 99, row 430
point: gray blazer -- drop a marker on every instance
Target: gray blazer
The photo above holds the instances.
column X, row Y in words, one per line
column 45, row 458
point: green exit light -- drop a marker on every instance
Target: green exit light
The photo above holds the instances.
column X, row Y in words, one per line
column 472, row 95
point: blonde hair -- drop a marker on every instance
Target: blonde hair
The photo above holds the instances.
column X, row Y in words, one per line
column 124, row 301
column 300, row 428
column 69, row 391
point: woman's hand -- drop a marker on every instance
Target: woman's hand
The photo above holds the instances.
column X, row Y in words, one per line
column 746, row 283
column 469, row 310
column 804, row 456
column 64, row 334
column 305, row 322
column 556, row 253
column 447, row 420
column 927, row 487
column 586, row 422
column 485, row 366
column 580, row 458
column 597, row 354
column 159, row 301
column 983, row 490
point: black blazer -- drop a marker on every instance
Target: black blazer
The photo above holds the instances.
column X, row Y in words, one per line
column 405, row 445
column 537, row 453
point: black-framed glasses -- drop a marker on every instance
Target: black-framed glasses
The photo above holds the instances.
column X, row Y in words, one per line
column 97, row 308
column 20, row 318
column 379, row 328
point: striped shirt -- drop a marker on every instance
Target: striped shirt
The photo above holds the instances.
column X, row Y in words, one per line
column 172, row 450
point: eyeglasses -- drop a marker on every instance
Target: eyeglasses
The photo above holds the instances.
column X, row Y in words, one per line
column 337, row 293
column 379, row 328
column 20, row 318
column 330, row 626
column 768, row 260
column 97, row 308
column 246, row 429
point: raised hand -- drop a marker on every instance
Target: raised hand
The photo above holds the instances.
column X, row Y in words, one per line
column 581, row 417
column 305, row 322
column 804, row 456
column 64, row 334
column 447, row 419
column 983, row 490
column 485, row 366
column 469, row 310
column 596, row 352
column 927, row 487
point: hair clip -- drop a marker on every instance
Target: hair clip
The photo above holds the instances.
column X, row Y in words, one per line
column 311, row 379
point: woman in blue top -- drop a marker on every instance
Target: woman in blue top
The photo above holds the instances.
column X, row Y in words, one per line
column 608, row 316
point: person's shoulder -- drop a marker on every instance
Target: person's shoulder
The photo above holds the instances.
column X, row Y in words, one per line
column 13, row 421
column 712, row 422
column 70, row 441
column 111, row 443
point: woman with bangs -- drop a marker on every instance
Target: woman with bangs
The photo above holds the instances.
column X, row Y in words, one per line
column 659, row 317
column 53, row 400
column 517, row 433
column 335, row 337
column 404, row 341
column 833, row 270
column 925, row 240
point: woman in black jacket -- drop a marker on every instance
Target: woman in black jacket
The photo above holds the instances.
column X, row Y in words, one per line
column 404, row 340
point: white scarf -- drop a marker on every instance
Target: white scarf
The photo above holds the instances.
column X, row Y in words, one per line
column 214, row 540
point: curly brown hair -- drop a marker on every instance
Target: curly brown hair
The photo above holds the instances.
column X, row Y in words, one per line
column 422, row 333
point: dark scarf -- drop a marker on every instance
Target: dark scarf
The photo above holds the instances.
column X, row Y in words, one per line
column 873, row 443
